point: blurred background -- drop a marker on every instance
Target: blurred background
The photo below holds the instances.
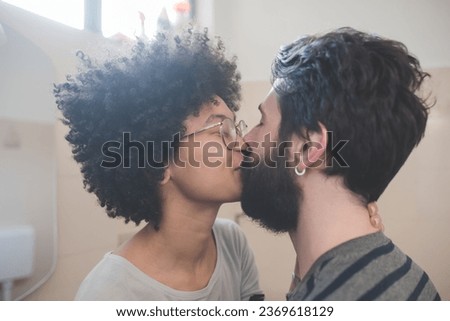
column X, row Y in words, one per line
column 52, row 232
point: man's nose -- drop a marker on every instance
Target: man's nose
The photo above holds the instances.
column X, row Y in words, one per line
column 249, row 136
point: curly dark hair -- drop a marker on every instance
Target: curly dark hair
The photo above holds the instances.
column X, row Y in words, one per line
column 363, row 89
column 148, row 95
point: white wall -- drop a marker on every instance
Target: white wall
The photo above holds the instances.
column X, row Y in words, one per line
column 26, row 76
column 255, row 29
column 37, row 53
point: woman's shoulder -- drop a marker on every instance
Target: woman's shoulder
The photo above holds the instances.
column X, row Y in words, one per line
column 104, row 279
column 227, row 226
column 230, row 236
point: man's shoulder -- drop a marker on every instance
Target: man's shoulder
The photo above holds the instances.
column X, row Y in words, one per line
column 376, row 270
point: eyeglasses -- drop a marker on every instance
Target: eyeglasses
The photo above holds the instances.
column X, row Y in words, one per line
column 229, row 131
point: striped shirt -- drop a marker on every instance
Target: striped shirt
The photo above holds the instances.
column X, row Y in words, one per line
column 367, row 268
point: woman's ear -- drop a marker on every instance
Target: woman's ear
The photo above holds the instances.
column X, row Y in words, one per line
column 167, row 175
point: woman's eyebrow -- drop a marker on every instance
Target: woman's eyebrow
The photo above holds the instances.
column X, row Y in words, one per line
column 218, row 116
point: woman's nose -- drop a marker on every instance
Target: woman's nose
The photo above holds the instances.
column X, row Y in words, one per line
column 241, row 144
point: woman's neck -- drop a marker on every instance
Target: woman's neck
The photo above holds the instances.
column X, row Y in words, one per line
column 181, row 253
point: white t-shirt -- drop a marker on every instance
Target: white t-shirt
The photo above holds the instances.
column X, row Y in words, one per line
column 235, row 276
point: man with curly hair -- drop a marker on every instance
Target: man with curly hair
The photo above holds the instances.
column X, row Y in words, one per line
column 345, row 114
column 156, row 137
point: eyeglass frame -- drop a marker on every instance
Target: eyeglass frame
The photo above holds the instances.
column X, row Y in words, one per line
column 240, row 128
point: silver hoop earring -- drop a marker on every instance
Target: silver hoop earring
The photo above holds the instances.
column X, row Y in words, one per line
column 299, row 173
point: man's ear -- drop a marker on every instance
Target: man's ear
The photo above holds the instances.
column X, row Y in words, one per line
column 310, row 152
column 317, row 146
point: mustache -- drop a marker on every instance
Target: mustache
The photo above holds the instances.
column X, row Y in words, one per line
column 275, row 157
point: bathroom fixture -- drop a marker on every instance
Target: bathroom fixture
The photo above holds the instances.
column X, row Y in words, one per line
column 16, row 256
column 3, row 38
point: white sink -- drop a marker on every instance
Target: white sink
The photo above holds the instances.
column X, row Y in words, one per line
column 16, row 255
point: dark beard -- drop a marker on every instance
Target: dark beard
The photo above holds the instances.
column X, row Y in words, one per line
column 270, row 195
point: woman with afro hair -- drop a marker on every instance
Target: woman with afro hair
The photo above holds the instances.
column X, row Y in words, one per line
column 156, row 138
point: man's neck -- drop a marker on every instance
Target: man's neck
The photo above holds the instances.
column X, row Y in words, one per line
column 329, row 215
